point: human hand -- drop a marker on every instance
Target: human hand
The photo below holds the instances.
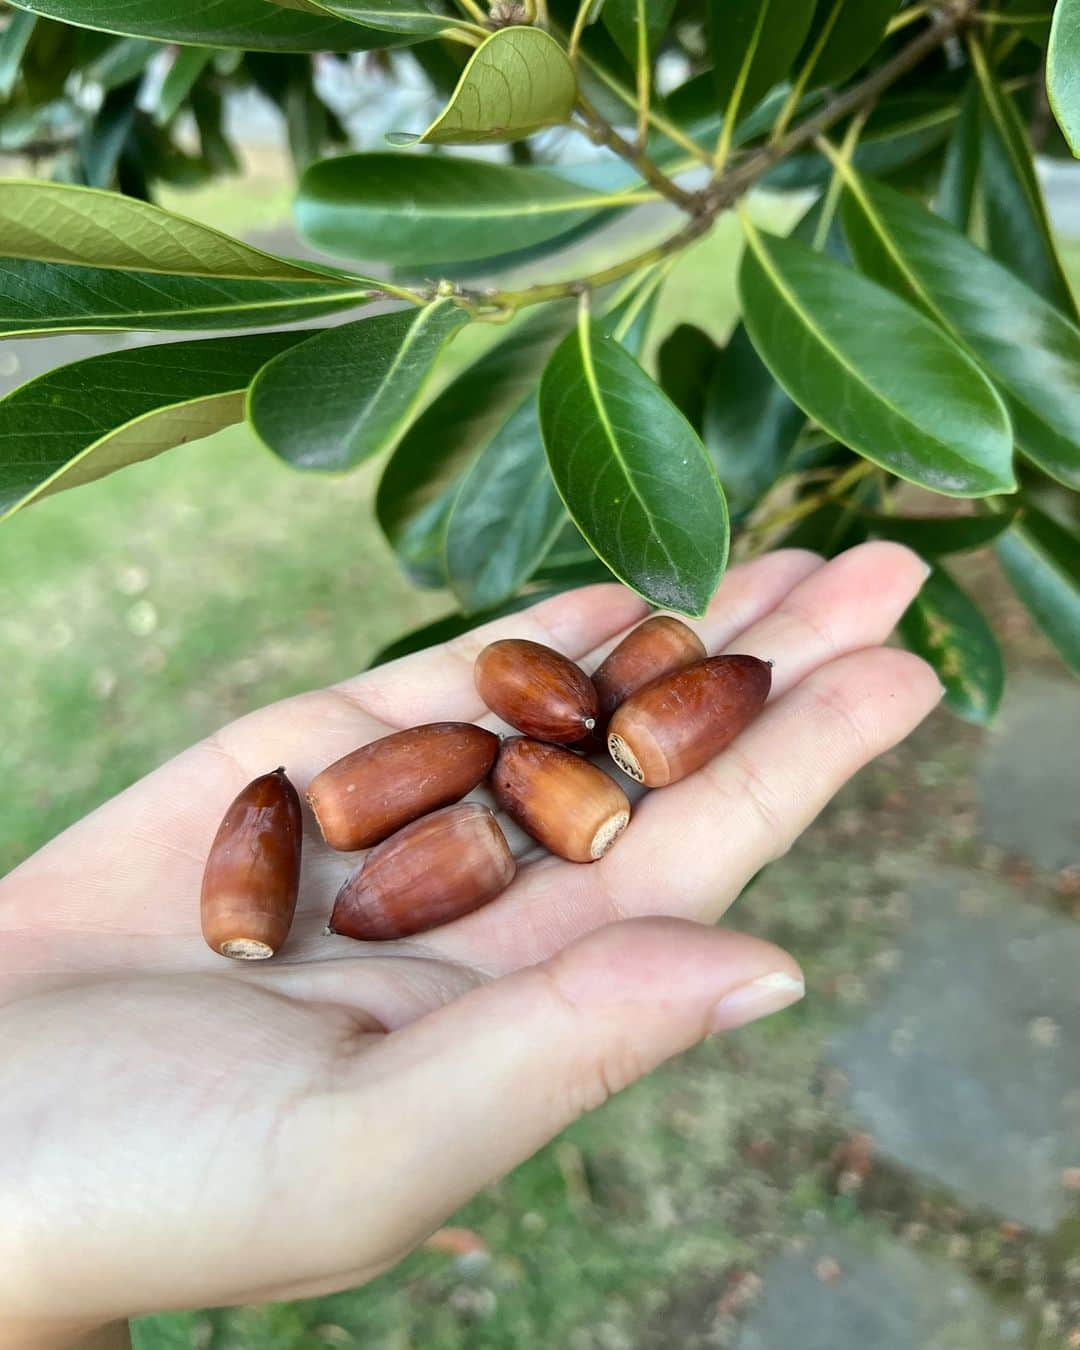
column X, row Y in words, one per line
column 181, row 1131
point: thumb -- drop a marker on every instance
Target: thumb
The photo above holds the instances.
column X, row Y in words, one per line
column 482, row 1084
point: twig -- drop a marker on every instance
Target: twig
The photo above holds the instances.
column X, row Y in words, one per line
column 601, row 132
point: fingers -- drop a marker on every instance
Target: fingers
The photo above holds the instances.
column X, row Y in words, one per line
column 720, row 826
column 480, row 1085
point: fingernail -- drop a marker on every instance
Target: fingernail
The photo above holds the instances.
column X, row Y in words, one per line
column 767, row 994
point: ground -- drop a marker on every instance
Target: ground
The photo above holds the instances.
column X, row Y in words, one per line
column 772, row 1190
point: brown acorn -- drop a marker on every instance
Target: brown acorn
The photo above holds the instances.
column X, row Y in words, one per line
column 537, row 690
column 567, row 804
column 364, row 797
column 434, row 870
column 253, row 872
column 659, row 646
column 677, row 723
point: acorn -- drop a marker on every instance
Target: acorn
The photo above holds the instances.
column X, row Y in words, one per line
column 659, row 646
column 565, row 803
column 433, row 871
column 366, row 796
column 252, row 874
column 677, row 723
column 537, row 690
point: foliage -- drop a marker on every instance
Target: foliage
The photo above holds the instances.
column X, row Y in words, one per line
column 914, row 342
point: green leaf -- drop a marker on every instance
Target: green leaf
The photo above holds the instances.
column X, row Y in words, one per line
column 753, row 45
column 517, row 82
column 960, row 173
column 1028, row 347
column 843, row 35
column 453, row 625
column 347, row 393
column 621, row 20
column 13, row 43
column 251, row 24
column 507, row 513
column 188, row 64
column 58, row 223
column 422, row 212
column 1017, row 225
column 103, row 139
column 1063, row 70
column 47, row 298
column 749, row 424
column 933, row 536
column 424, row 474
column 395, row 16
column 873, row 372
column 1042, row 560
column 633, row 474
column 83, row 421
column 946, row 628
column 685, row 364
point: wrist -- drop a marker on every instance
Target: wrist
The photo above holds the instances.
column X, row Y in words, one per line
column 52, row 1336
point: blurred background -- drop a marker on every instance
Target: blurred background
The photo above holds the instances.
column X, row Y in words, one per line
column 893, row 1165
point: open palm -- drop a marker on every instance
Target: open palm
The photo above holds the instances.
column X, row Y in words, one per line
column 180, row 1131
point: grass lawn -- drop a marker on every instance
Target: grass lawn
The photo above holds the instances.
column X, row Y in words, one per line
column 145, row 610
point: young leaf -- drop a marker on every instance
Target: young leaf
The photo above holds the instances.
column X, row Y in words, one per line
column 57, row 223
column 1042, row 560
column 873, row 372
column 1029, row 348
column 843, row 35
column 345, row 394
column 945, row 627
column 48, row 298
column 251, row 24
column 933, row 536
column 753, row 45
column 1017, row 225
column 83, row 421
column 1063, row 70
column 517, row 82
column 749, row 424
column 394, row 16
column 423, row 476
column 634, row 476
column 621, row 20
column 424, row 212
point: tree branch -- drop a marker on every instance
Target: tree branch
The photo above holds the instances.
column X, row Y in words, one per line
column 601, row 132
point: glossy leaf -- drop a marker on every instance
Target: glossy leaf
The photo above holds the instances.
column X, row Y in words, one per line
column 933, row 536
column 749, row 424
column 1063, row 70
column 251, row 24
column 43, row 298
column 423, row 476
column 57, row 223
column 426, row 211
column 685, row 364
column 517, row 82
column 1042, row 561
column 347, row 393
column 83, row 421
column 843, row 35
column 960, row 174
column 753, row 45
column 395, row 16
column 621, row 20
column 1029, row 348
column 873, row 372
column 1017, row 224
column 632, row 472
column 946, row 628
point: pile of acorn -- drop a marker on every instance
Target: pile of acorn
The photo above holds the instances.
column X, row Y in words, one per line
column 661, row 705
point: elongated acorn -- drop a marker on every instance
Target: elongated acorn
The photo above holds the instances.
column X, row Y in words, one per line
column 677, row 723
column 253, row 872
column 659, row 646
column 434, row 870
column 537, row 690
column 567, row 804
column 372, row 792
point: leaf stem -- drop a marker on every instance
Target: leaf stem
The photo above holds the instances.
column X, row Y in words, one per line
column 661, row 123
column 473, row 10
column 808, row 505
column 841, row 162
column 644, row 74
